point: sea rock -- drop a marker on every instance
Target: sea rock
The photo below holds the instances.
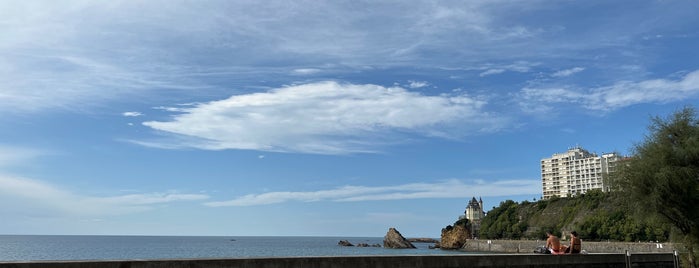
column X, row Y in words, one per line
column 454, row 237
column 423, row 240
column 366, row 245
column 394, row 239
column 345, row 243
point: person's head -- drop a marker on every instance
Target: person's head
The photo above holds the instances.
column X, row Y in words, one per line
column 549, row 233
column 574, row 233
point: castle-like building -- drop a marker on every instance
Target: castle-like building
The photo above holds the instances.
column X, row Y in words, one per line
column 576, row 171
column 474, row 213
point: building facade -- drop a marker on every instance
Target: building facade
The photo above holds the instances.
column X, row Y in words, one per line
column 474, row 213
column 576, row 171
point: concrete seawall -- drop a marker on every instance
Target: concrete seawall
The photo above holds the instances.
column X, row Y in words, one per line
column 657, row 260
column 528, row 246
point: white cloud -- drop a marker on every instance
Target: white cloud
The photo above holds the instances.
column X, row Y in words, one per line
column 179, row 109
column 325, row 118
column 491, row 72
column 39, row 197
column 306, row 71
column 568, row 72
column 59, row 54
column 624, row 93
column 519, row 66
column 616, row 96
column 446, row 189
column 55, row 55
column 132, row 114
column 417, row 84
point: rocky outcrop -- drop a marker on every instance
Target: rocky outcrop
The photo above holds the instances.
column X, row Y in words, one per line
column 454, row 237
column 394, row 239
column 346, row 243
column 423, row 240
column 366, row 245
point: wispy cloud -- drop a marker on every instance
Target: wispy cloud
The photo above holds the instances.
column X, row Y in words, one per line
column 132, row 114
column 40, row 197
column 491, row 72
column 55, row 55
column 519, row 66
column 568, row 72
column 327, row 118
column 615, row 96
column 20, row 194
column 445, row 189
column 13, row 155
column 306, row 71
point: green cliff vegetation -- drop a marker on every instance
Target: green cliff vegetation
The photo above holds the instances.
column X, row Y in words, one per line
column 596, row 216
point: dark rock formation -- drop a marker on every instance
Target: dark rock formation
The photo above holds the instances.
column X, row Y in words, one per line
column 345, row 243
column 454, row 237
column 365, row 245
column 423, row 240
column 394, row 239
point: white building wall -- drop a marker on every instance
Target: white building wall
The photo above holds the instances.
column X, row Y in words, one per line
column 575, row 171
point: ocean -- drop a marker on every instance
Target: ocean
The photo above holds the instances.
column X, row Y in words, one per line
column 50, row 247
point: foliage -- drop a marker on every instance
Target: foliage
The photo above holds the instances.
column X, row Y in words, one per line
column 620, row 226
column 503, row 221
column 464, row 222
column 663, row 175
column 595, row 215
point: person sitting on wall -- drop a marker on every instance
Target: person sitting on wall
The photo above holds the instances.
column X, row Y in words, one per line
column 575, row 244
column 553, row 243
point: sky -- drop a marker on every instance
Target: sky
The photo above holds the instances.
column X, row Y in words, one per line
column 317, row 118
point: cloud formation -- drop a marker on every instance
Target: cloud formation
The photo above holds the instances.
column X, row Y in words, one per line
column 519, row 66
column 327, row 118
column 38, row 197
column 417, row 84
column 568, row 72
column 616, row 96
column 132, row 114
column 446, row 189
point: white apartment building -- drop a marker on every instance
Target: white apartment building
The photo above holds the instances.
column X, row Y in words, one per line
column 575, row 172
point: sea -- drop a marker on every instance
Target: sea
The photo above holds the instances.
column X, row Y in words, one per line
column 69, row 247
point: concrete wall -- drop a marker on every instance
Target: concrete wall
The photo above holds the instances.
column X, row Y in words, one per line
column 656, row 260
column 528, row 246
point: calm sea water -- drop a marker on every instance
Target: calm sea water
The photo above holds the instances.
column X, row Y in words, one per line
column 27, row 247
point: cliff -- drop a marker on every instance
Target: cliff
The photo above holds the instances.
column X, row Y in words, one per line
column 454, row 237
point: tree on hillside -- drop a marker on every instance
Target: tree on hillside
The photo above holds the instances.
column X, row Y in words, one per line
column 662, row 177
column 503, row 222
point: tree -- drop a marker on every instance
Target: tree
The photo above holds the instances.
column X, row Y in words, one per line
column 661, row 179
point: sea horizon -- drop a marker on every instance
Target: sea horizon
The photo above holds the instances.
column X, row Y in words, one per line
column 127, row 247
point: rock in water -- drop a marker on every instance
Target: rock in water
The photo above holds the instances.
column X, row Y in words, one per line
column 345, row 243
column 454, row 237
column 394, row 239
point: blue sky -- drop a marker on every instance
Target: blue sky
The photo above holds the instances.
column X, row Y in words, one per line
column 332, row 118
